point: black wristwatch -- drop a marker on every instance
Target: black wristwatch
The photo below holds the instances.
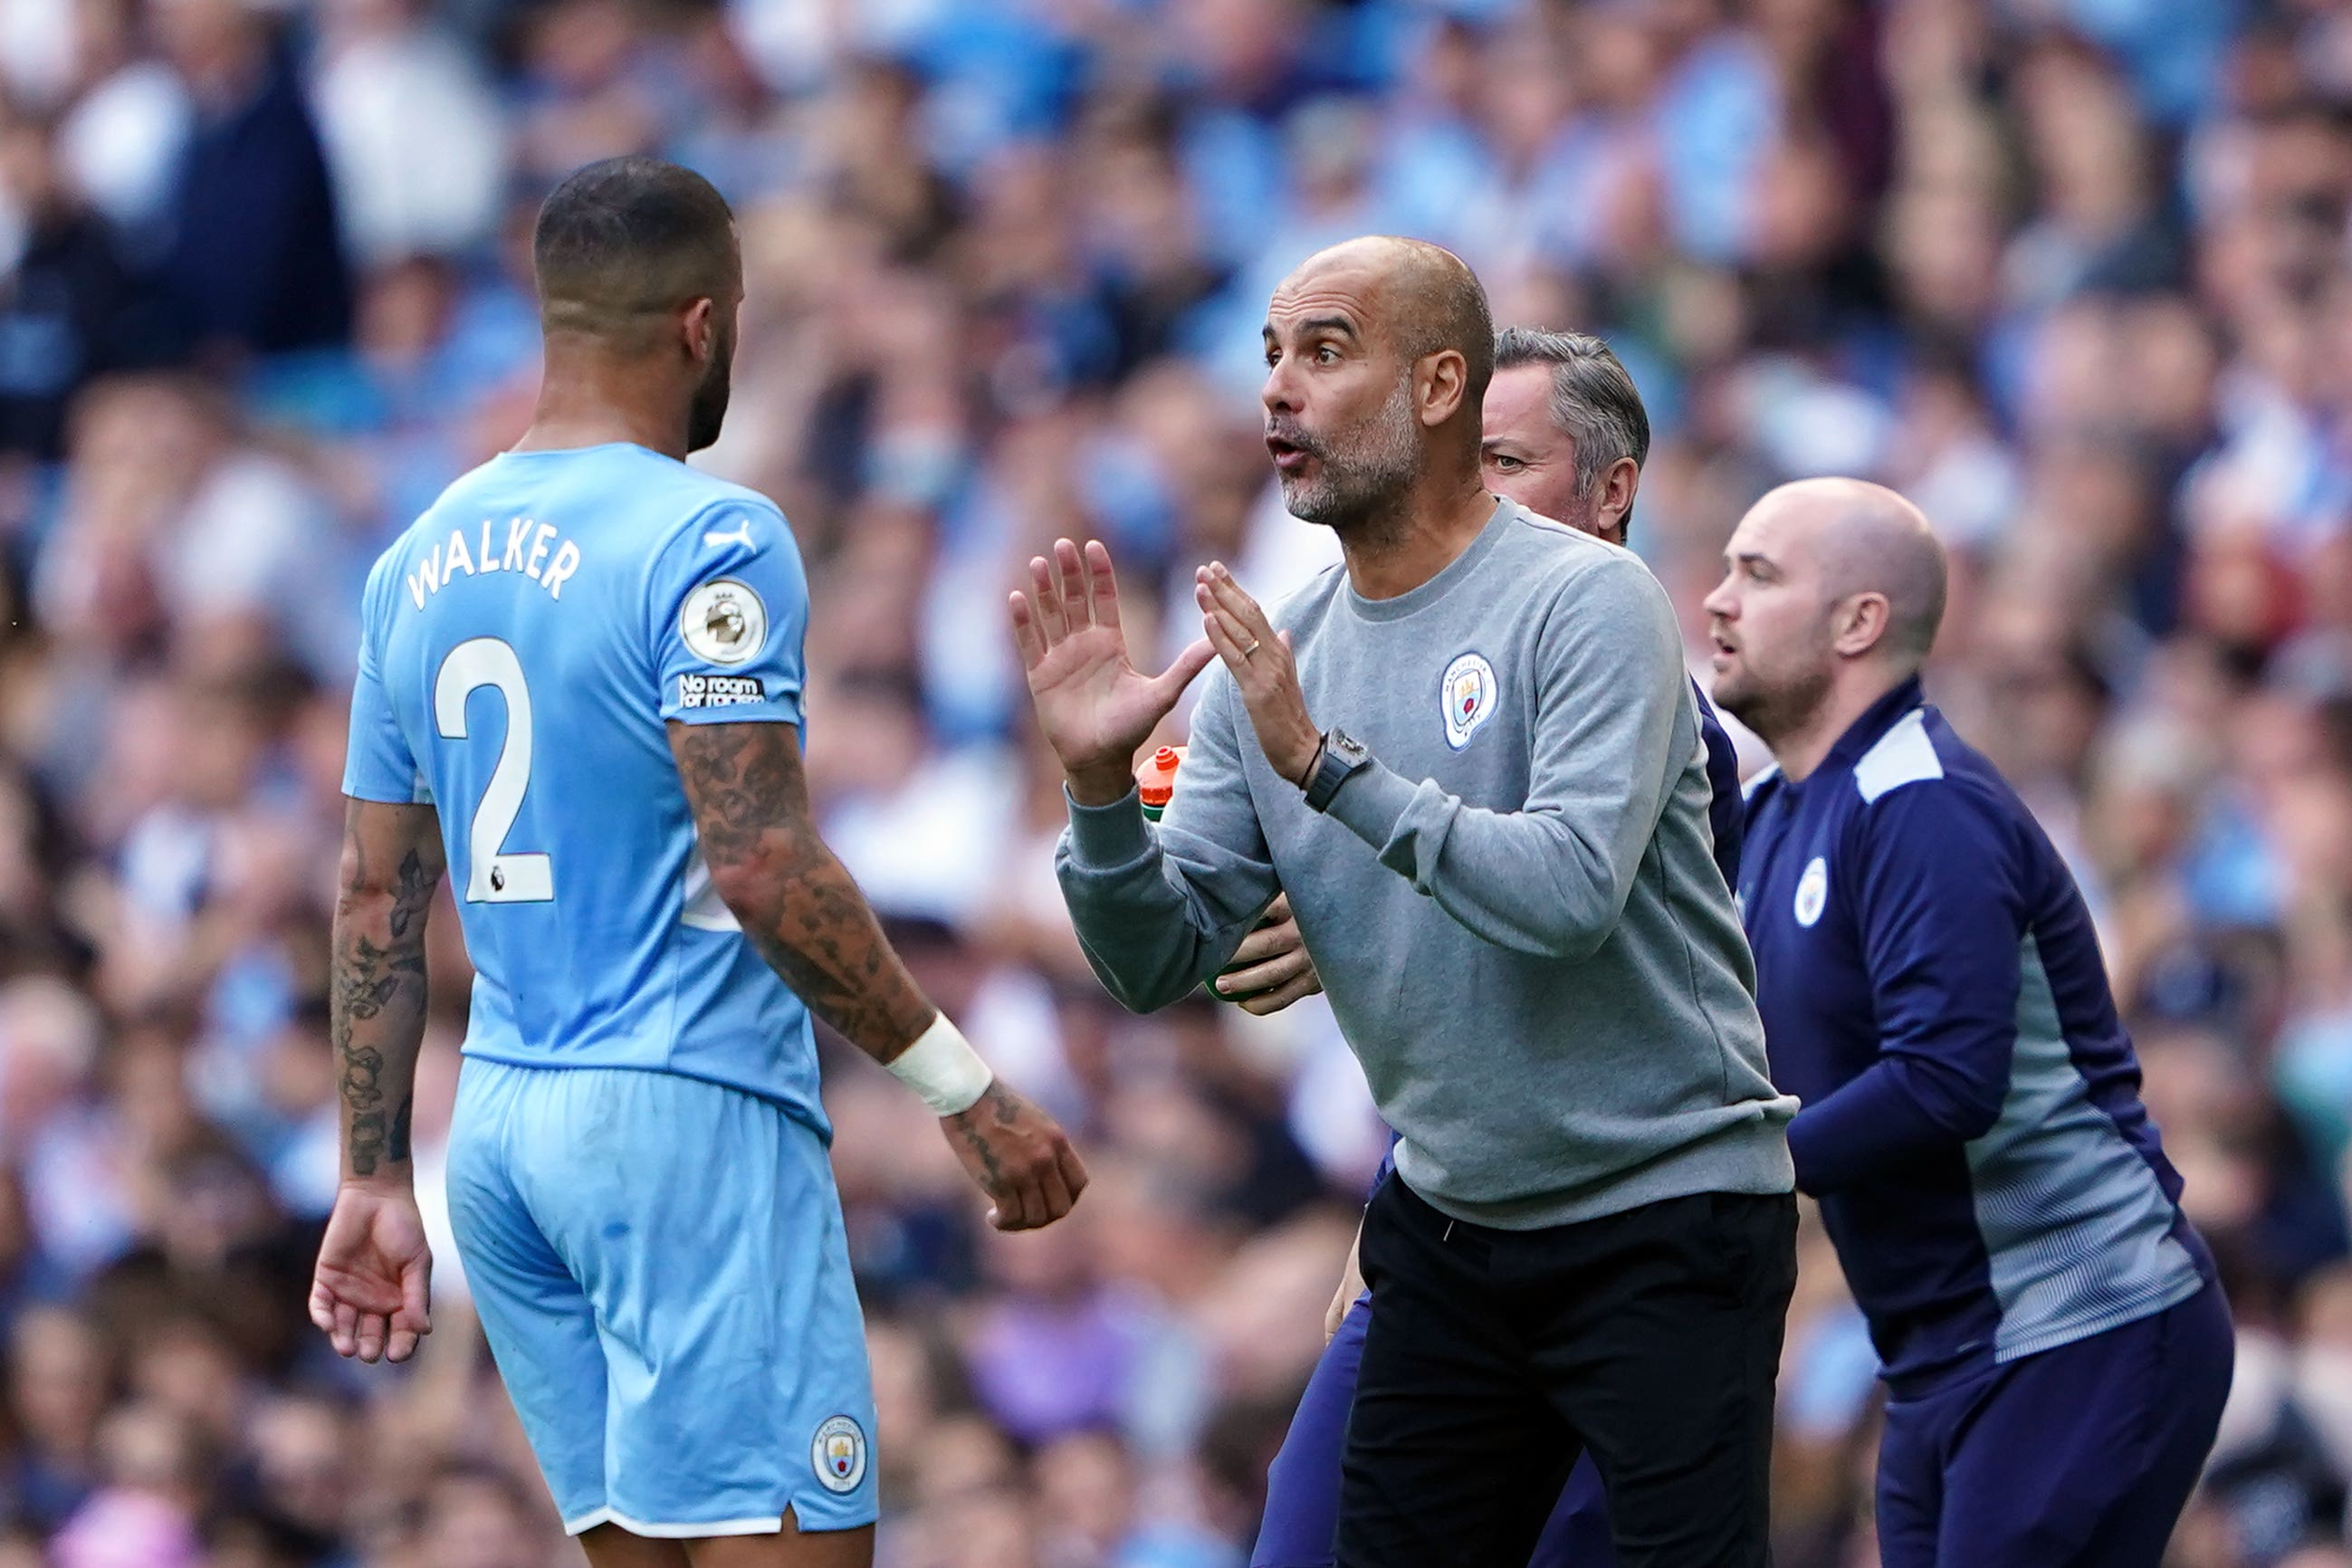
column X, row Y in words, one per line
column 1342, row 756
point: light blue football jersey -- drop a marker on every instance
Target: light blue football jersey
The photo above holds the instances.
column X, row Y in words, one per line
column 522, row 646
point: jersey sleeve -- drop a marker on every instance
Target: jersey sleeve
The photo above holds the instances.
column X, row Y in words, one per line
column 377, row 763
column 729, row 602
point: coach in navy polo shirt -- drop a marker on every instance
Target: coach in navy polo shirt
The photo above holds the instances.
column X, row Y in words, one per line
column 2056, row 1350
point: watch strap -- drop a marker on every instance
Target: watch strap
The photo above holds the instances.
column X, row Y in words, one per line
column 1333, row 767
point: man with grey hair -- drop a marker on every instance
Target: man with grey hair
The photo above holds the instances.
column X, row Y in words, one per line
column 1566, row 429
column 1508, row 885
column 2055, row 1348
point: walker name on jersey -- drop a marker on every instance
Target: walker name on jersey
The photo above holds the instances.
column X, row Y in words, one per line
column 718, row 690
column 526, row 550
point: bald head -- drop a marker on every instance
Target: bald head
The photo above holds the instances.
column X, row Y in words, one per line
column 1868, row 540
column 1834, row 591
column 1425, row 298
column 1378, row 354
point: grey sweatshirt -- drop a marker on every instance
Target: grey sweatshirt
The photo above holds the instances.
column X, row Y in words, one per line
column 1515, row 909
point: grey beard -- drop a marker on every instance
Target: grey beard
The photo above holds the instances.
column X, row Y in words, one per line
column 1357, row 485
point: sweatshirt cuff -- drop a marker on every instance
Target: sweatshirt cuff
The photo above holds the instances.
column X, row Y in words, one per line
column 1372, row 801
column 1107, row 837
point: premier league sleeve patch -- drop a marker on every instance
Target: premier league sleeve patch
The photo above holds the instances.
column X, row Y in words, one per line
column 1467, row 694
column 724, row 622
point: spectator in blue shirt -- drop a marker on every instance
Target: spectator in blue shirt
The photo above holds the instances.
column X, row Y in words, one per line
column 2055, row 1348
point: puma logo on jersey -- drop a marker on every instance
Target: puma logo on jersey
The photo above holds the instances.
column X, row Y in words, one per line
column 739, row 534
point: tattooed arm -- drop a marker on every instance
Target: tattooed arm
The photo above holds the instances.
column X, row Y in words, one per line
column 370, row 1292
column 391, row 864
column 796, row 903
column 799, row 907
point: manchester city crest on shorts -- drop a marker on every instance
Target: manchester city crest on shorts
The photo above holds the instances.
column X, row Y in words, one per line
column 723, row 621
column 1812, row 892
column 838, row 1453
column 1467, row 694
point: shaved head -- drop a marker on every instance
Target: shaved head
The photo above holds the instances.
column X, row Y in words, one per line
column 1378, row 352
column 630, row 238
column 1869, row 539
column 1424, row 297
column 1834, row 593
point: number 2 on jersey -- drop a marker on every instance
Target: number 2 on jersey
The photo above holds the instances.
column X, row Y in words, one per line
column 493, row 876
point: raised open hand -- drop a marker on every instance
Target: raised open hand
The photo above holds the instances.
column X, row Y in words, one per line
column 1264, row 672
column 1094, row 707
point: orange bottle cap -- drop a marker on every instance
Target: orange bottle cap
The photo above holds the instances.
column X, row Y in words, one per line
column 1155, row 781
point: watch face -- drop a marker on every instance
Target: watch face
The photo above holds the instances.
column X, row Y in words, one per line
column 1348, row 748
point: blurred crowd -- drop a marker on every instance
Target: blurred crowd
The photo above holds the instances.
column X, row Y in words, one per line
column 2071, row 273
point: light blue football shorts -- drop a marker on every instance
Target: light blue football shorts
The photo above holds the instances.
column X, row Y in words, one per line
column 660, row 1268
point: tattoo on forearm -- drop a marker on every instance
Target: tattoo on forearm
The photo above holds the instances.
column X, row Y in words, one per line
column 362, row 1076
column 375, row 974
column 377, row 1004
column 815, row 929
column 412, row 892
column 999, row 1103
column 366, row 1147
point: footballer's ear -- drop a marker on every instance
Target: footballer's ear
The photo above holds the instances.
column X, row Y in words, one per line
column 701, row 328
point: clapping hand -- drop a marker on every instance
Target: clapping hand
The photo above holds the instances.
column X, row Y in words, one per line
column 1262, row 666
column 1093, row 706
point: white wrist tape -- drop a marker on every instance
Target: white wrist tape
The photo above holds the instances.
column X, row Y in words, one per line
column 942, row 1067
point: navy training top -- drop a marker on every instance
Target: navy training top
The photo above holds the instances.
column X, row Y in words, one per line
column 1932, row 989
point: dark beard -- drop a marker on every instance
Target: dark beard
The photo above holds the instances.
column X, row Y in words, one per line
column 1775, row 714
column 708, row 413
